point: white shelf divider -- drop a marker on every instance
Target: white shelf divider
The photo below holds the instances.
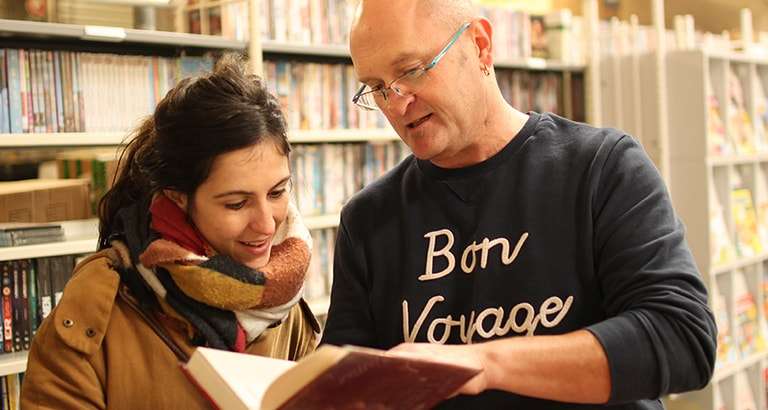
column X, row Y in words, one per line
column 320, row 305
column 89, row 139
column 116, row 35
column 63, row 139
column 80, row 236
column 322, row 221
column 69, row 247
column 13, row 363
column 342, row 135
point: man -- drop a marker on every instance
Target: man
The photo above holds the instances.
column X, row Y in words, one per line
column 508, row 224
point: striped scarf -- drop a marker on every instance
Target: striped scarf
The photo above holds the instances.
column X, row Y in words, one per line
column 228, row 303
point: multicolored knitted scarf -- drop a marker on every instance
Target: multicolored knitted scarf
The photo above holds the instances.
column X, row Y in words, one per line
column 228, row 303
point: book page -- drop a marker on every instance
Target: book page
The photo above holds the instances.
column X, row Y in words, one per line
column 248, row 375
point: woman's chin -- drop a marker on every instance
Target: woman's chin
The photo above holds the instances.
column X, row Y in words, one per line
column 256, row 263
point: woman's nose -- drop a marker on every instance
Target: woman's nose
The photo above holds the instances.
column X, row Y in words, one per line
column 262, row 221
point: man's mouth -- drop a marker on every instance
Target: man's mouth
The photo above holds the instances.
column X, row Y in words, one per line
column 419, row 121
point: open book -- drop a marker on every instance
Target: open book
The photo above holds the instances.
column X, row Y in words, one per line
column 330, row 378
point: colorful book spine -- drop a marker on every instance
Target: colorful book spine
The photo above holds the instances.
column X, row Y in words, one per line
column 14, row 90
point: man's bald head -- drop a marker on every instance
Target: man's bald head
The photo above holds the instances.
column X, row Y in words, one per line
column 448, row 13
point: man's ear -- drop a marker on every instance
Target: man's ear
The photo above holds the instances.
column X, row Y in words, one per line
column 178, row 198
column 482, row 34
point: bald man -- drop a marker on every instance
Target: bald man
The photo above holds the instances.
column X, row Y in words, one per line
column 544, row 251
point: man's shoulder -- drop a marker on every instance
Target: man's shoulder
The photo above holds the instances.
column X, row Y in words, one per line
column 563, row 130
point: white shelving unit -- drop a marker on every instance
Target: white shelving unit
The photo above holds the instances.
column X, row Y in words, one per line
column 705, row 196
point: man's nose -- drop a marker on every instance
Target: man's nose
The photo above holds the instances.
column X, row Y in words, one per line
column 398, row 104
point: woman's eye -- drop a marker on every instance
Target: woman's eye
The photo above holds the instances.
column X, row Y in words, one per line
column 236, row 205
column 277, row 193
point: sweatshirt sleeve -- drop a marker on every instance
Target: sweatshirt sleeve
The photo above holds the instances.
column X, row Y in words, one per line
column 659, row 325
column 349, row 317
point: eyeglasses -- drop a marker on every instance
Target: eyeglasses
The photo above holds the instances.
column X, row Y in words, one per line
column 407, row 84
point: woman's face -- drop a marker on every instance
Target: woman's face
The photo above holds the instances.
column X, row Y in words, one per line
column 243, row 201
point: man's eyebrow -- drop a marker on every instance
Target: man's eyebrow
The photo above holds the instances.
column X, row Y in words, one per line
column 399, row 59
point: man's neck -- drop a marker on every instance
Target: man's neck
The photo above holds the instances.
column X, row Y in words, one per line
column 502, row 123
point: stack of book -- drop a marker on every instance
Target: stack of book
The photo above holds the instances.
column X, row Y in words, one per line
column 19, row 234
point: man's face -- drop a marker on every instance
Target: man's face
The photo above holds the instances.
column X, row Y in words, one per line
column 436, row 122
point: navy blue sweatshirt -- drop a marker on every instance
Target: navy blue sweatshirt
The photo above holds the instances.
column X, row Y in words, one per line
column 567, row 227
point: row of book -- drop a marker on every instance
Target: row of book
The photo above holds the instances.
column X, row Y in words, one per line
column 738, row 212
column 730, row 126
column 319, row 96
column 532, row 91
column 750, row 225
column 31, row 288
column 20, row 234
column 738, row 393
column 63, row 91
column 746, row 336
column 319, row 275
column 327, row 175
column 517, row 34
column 10, row 391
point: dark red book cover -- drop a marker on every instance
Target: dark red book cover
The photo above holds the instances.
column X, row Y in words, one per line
column 380, row 382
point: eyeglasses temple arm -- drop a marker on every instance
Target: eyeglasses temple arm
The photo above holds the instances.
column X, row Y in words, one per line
column 447, row 46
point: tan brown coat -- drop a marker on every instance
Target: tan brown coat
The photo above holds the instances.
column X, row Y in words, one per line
column 94, row 351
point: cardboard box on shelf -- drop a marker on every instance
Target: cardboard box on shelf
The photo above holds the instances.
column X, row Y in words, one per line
column 44, row 200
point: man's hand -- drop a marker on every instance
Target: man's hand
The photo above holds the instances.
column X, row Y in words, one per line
column 465, row 355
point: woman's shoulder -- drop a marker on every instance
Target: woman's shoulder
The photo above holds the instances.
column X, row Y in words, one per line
column 81, row 317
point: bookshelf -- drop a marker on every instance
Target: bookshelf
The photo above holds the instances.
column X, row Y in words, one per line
column 81, row 237
column 712, row 168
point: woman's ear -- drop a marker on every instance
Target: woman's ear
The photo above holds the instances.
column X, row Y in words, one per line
column 178, row 198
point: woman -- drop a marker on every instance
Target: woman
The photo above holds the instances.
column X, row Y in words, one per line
column 199, row 247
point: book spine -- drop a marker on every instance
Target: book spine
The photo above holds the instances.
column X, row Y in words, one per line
column 7, row 282
column 44, row 287
column 32, row 301
column 18, row 321
column 14, row 90
column 57, row 75
column 5, row 125
column 24, row 304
